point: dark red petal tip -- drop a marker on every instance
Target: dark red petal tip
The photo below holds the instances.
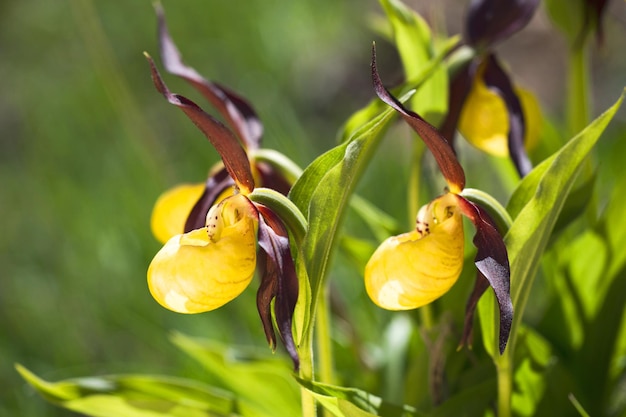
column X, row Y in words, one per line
column 234, row 109
column 438, row 145
column 233, row 155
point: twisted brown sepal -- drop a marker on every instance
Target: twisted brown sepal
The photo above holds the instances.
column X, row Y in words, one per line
column 460, row 87
column 492, row 262
column 234, row 109
column 232, row 153
column 278, row 281
column 490, row 21
column 497, row 80
column 438, row 145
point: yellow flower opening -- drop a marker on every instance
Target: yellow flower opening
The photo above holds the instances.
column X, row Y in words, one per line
column 206, row 268
column 484, row 120
column 415, row 268
column 171, row 210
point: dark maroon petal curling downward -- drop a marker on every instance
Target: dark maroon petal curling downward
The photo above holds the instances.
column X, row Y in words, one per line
column 492, row 262
column 497, row 80
column 278, row 280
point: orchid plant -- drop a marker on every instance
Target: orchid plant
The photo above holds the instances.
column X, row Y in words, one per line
column 258, row 214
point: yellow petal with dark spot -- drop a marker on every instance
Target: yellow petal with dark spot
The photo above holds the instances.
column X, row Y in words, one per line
column 416, row 268
column 194, row 273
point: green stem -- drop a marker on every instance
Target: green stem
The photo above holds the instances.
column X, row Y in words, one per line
column 324, row 351
column 289, row 169
column 305, row 353
column 496, row 210
column 578, row 90
column 285, row 208
column 505, row 384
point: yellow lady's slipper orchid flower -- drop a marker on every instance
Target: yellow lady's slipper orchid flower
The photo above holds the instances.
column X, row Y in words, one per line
column 215, row 230
column 415, row 268
column 484, row 120
column 206, row 268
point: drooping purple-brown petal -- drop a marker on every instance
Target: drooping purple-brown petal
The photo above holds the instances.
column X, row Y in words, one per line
column 497, row 80
column 490, row 21
column 279, row 281
column 460, row 87
column 233, row 155
column 438, row 145
column 480, row 286
column 216, row 184
column 236, row 111
column 493, row 263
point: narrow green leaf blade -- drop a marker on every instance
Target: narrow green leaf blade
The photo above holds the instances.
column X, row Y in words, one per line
column 136, row 396
column 262, row 380
column 538, row 202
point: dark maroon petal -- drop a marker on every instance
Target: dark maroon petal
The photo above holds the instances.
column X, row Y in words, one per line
column 234, row 157
column 271, row 178
column 216, row 184
column 438, row 145
column 279, row 280
column 266, row 293
column 460, row 87
column 235, row 110
column 497, row 80
column 493, row 263
column 480, row 286
column 490, row 21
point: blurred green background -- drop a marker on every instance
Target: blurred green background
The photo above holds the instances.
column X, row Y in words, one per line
column 87, row 145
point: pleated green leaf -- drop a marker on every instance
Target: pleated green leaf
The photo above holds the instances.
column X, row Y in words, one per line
column 537, row 203
column 264, row 381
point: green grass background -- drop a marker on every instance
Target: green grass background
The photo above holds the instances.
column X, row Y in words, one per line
column 87, row 145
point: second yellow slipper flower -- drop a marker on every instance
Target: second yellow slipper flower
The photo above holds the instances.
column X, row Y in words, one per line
column 413, row 269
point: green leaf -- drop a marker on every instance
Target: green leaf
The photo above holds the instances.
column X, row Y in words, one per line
column 536, row 205
column 414, row 42
column 352, row 402
column 534, row 356
column 137, row 396
column 262, row 380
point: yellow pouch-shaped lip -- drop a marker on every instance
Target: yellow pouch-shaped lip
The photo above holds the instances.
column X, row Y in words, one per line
column 413, row 269
column 194, row 273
